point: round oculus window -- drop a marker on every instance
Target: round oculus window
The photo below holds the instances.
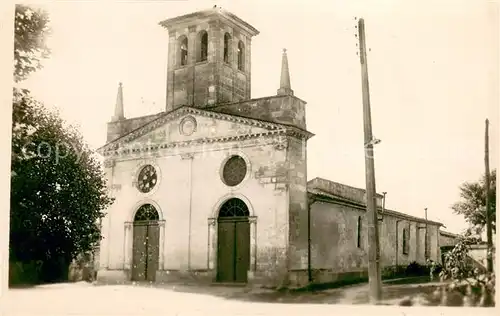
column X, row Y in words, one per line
column 188, row 126
column 147, row 179
column 234, row 171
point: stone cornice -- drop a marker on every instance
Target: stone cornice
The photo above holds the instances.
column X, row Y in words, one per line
column 114, row 145
column 279, row 143
column 187, row 18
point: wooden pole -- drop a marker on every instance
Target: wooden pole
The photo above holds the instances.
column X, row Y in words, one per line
column 489, row 258
column 371, row 211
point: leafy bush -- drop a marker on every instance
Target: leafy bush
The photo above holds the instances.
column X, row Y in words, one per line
column 457, row 265
column 24, row 273
column 476, row 287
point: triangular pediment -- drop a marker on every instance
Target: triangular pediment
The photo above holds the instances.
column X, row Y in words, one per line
column 189, row 124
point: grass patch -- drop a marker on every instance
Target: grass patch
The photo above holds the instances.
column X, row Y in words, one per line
column 314, row 287
column 409, row 280
column 411, row 274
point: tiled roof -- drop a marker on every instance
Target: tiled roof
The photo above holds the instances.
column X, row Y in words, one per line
column 338, row 192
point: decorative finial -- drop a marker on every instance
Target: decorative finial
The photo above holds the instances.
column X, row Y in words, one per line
column 285, row 87
column 119, row 105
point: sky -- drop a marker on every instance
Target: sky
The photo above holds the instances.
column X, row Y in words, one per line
column 432, row 65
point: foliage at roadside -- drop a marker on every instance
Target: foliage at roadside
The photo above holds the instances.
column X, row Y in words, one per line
column 31, row 27
column 472, row 281
column 58, row 189
column 473, row 203
column 466, row 282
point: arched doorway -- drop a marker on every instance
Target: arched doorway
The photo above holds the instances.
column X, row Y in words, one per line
column 233, row 242
column 145, row 247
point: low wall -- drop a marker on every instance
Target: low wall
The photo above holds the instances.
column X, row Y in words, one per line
column 479, row 254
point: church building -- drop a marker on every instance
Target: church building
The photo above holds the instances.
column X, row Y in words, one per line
column 215, row 188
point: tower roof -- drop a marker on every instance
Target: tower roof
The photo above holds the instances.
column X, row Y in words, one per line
column 212, row 12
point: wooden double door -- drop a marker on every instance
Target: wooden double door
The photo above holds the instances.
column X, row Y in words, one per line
column 145, row 255
column 233, row 249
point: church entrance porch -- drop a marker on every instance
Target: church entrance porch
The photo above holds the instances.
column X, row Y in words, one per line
column 145, row 247
column 233, row 242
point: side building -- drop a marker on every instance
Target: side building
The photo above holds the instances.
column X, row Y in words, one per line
column 339, row 235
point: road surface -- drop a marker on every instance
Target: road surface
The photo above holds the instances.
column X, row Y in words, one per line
column 120, row 300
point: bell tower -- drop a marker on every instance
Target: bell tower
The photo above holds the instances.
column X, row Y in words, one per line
column 208, row 59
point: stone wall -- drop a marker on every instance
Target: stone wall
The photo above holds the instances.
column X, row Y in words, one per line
column 334, row 237
column 213, row 81
column 298, row 207
column 334, row 249
column 447, row 239
column 120, row 128
column 286, row 109
column 479, row 253
column 195, row 171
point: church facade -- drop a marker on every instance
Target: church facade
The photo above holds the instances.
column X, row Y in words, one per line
column 215, row 189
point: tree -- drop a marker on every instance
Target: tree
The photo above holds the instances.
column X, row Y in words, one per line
column 30, row 33
column 58, row 191
column 473, row 203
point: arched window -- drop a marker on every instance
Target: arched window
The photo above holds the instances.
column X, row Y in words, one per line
column 234, row 208
column 227, row 47
column 241, row 56
column 406, row 243
column 203, row 46
column 146, row 212
column 183, row 50
column 359, row 231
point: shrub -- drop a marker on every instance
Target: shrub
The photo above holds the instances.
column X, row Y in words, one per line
column 24, row 273
column 475, row 288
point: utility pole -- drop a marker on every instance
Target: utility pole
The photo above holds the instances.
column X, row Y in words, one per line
column 489, row 259
column 426, row 251
column 374, row 275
